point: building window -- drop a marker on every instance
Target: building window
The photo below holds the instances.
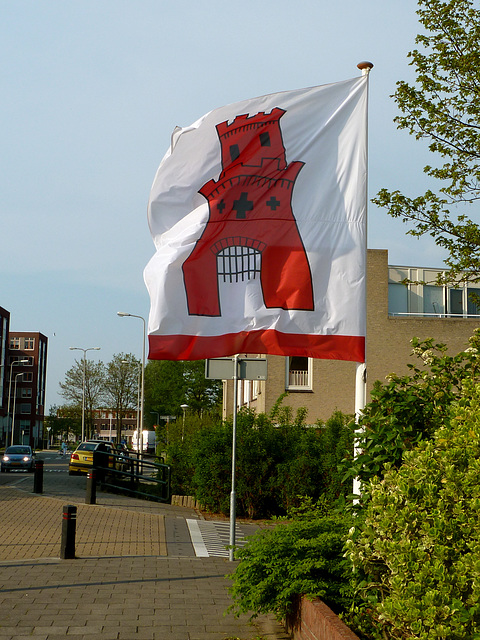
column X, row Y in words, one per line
column 473, row 301
column 14, row 343
column 456, row 301
column 27, row 377
column 29, row 344
column 433, row 299
column 25, row 407
column 25, row 392
column 298, row 373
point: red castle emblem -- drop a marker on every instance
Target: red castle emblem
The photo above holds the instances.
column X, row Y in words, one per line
column 251, row 228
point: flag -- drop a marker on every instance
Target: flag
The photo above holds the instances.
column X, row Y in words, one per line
column 258, row 215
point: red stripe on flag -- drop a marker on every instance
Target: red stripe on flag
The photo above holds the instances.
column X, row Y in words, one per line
column 327, row 347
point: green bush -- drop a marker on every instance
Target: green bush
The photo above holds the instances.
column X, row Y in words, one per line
column 408, row 409
column 178, row 457
column 304, row 556
column 417, row 555
column 279, row 460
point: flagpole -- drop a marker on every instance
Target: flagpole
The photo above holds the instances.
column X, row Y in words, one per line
column 231, row 551
column 361, row 367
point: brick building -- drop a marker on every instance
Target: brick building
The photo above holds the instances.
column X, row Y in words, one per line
column 395, row 314
column 4, row 328
column 105, row 424
column 25, row 384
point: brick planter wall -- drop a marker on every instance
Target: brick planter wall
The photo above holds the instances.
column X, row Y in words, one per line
column 313, row 620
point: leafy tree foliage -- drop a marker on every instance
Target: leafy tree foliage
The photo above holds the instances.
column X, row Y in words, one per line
column 121, row 386
column 443, row 107
column 417, row 552
column 63, row 422
column 408, row 409
column 415, row 543
column 169, row 384
column 279, row 460
column 72, row 388
column 114, row 385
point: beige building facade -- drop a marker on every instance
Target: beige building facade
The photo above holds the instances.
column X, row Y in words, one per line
column 395, row 314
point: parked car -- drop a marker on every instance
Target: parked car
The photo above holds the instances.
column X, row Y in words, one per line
column 81, row 460
column 18, row 456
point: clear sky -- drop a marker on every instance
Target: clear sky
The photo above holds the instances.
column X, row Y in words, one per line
column 91, row 91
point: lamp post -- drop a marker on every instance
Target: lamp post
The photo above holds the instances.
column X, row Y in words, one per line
column 83, row 381
column 184, row 407
column 17, row 375
column 12, row 364
column 123, row 314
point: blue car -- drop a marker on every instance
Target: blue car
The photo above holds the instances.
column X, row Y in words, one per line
column 18, row 456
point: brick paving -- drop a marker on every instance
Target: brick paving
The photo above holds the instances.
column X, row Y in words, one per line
column 121, row 586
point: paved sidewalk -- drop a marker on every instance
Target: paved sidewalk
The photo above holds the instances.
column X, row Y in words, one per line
column 122, row 585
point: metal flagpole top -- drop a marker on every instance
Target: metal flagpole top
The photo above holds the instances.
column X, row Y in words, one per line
column 365, row 67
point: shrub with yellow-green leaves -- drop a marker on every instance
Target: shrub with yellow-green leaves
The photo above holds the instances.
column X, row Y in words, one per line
column 416, row 554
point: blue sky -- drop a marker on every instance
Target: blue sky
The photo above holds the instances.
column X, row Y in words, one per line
column 91, row 91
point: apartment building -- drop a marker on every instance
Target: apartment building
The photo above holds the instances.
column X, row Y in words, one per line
column 396, row 313
column 105, row 424
column 4, row 328
column 26, row 373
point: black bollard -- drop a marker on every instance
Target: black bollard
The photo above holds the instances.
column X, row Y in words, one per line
column 69, row 526
column 91, row 494
column 38, row 477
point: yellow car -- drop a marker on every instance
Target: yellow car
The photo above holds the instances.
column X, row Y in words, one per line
column 81, row 460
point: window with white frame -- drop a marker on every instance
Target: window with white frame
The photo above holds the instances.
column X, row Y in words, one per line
column 29, row 344
column 414, row 291
column 14, row 343
column 298, row 373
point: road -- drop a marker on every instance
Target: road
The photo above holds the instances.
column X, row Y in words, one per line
column 186, row 532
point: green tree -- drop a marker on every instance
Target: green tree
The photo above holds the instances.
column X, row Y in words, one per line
column 164, row 389
column 121, row 386
column 201, row 394
column 169, row 384
column 442, row 107
column 72, row 388
column 63, row 422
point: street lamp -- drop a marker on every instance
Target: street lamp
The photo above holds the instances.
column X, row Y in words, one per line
column 17, row 375
column 184, row 407
column 12, row 364
column 83, row 381
column 123, row 314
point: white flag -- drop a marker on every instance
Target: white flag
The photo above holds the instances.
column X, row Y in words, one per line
column 258, row 214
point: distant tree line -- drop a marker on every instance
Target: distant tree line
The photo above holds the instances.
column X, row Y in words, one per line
column 116, row 386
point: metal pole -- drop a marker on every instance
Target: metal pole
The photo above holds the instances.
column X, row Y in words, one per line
column 231, row 551
column 83, row 394
column 12, row 364
column 361, row 371
column 123, row 314
column 84, row 375
column 17, row 375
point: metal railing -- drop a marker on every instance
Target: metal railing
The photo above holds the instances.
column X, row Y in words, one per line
column 133, row 474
